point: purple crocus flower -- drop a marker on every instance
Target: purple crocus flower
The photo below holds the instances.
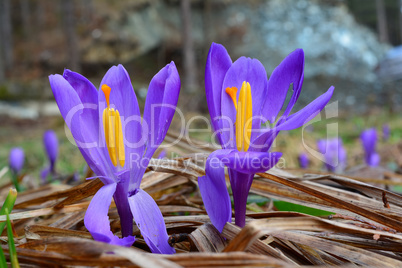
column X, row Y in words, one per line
column 16, row 159
column 369, row 140
column 335, row 156
column 240, row 99
column 117, row 145
column 386, row 132
column 51, row 145
column 303, row 160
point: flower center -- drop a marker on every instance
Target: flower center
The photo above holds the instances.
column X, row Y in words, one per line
column 113, row 131
column 244, row 114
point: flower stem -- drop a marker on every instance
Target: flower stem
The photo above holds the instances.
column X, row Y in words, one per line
column 14, row 179
column 241, row 184
column 123, row 208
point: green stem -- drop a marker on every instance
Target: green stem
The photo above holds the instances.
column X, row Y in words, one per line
column 14, row 179
column 8, row 204
column 11, row 245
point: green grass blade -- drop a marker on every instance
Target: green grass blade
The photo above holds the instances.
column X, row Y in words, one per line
column 8, row 204
column 287, row 206
column 3, row 262
column 14, row 179
column 11, row 245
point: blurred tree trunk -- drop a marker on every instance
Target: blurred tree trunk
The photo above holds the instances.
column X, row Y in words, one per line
column 87, row 11
column 67, row 9
column 1, row 63
column 400, row 21
column 190, row 72
column 1, row 44
column 6, row 34
column 26, row 27
column 207, row 24
column 39, row 15
column 381, row 21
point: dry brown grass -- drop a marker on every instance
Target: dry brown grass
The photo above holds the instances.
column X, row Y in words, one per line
column 366, row 229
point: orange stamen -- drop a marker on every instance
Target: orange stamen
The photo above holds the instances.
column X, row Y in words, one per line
column 106, row 90
column 232, row 91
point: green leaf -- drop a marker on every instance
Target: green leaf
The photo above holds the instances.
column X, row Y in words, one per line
column 3, row 262
column 287, row 206
column 8, row 204
column 397, row 189
column 11, row 246
column 14, row 179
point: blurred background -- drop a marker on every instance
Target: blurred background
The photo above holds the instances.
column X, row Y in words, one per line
column 354, row 45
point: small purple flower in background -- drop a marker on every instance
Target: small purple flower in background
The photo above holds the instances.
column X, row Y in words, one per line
column 386, row 132
column 51, row 145
column 304, row 161
column 369, row 141
column 240, row 99
column 16, row 160
column 162, row 154
column 309, row 128
column 335, row 156
column 112, row 115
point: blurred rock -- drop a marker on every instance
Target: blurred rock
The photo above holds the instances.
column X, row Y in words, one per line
column 146, row 34
column 338, row 50
column 28, row 109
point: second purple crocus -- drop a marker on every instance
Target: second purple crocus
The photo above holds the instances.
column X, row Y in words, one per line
column 304, row 161
column 369, row 141
column 118, row 145
column 386, row 132
column 51, row 145
column 16, row 161
column 240, row 99
column 334, row 154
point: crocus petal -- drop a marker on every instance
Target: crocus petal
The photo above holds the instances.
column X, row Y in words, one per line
column 322, row 146
column 218, row 62
column 253, row 72
column 66, row 97
column 342, row 158
column 150, row 221
column 250, row 162
column 123, row 98
column 374, row 160
column 51, row 146
column 85, row 90
column 369, row 140
column 16, row 159
column 386, row 131
column 44, row 173
column 263, row 142
column 289, row 71
column 298, row 119
column 335, row 155
column 88, row 95
column 214, row 192
column 160, row 106
column 93, row 153
column 303, row 160
column 96, row 218
column 81, row 120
